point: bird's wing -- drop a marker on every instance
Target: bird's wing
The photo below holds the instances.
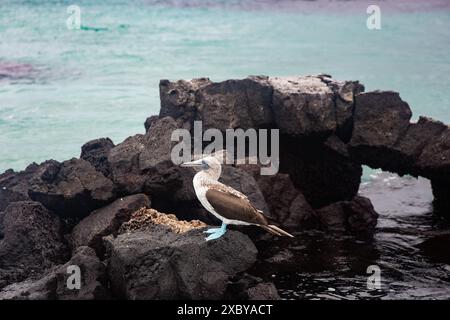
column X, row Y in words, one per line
column 227, row 189
column 233, row 205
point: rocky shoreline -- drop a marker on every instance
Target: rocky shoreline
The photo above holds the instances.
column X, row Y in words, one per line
column 108, row 211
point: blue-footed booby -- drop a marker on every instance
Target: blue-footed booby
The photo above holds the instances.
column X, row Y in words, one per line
column 224, row 202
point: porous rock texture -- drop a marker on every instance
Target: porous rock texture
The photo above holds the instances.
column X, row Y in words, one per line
column 147, row 218
column 161, row 264
column 72, row 188
column 96, row 153
column 31, row 241
column 53, row 285
column 106, row 221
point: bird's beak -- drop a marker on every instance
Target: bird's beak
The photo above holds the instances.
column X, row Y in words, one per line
column 196, row 163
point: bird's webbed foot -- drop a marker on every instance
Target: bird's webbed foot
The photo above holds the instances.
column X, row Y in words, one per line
column 216, row 233
column 212, row 230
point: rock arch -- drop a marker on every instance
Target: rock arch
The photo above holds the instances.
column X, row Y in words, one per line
column 329, row 129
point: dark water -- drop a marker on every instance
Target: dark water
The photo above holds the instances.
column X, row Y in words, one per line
column 411, row 247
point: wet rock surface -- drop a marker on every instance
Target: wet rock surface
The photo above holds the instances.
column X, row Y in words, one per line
column 248, row 287
column 357, row 215
column 263, row 291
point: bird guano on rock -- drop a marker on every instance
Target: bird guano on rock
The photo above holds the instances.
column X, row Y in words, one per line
column 224, row 202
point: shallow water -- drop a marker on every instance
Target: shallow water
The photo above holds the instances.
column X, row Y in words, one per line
column 60, row 88
column 410, row 247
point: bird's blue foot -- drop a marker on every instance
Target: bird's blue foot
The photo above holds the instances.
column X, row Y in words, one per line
column 216, row 233
column 212, row 230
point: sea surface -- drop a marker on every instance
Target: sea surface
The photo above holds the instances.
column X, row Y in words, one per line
column 60, row 88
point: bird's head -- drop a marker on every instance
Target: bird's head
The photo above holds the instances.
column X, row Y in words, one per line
column 208, row 164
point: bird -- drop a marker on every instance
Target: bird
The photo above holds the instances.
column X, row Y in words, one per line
column 225, row 203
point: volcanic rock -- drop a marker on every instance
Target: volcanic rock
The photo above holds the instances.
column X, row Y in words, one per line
column 221, row 105
column 247, row 287
column 434, row 161
column 178, row 98
column 142, row 163
column 303, row 106
column 31, row 243
column 357, row 216
column 124, row 164
column 286, row 204
column 96, row 153
column 149, row 122
column 441, row 192
column 161, row 264
column 145, row 219
column 53, row 286
column 344, row 102
column 72, row 188
column 381, row 119
column 322, row 174
column 263, row 291
column 105, row 221
column 14, row 186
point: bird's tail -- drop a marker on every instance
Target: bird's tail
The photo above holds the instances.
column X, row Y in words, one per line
column 276, row 231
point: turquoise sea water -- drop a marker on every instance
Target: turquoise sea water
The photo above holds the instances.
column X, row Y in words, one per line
column 60, row 88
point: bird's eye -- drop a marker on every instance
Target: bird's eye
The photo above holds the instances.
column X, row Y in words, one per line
column 204, row 163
